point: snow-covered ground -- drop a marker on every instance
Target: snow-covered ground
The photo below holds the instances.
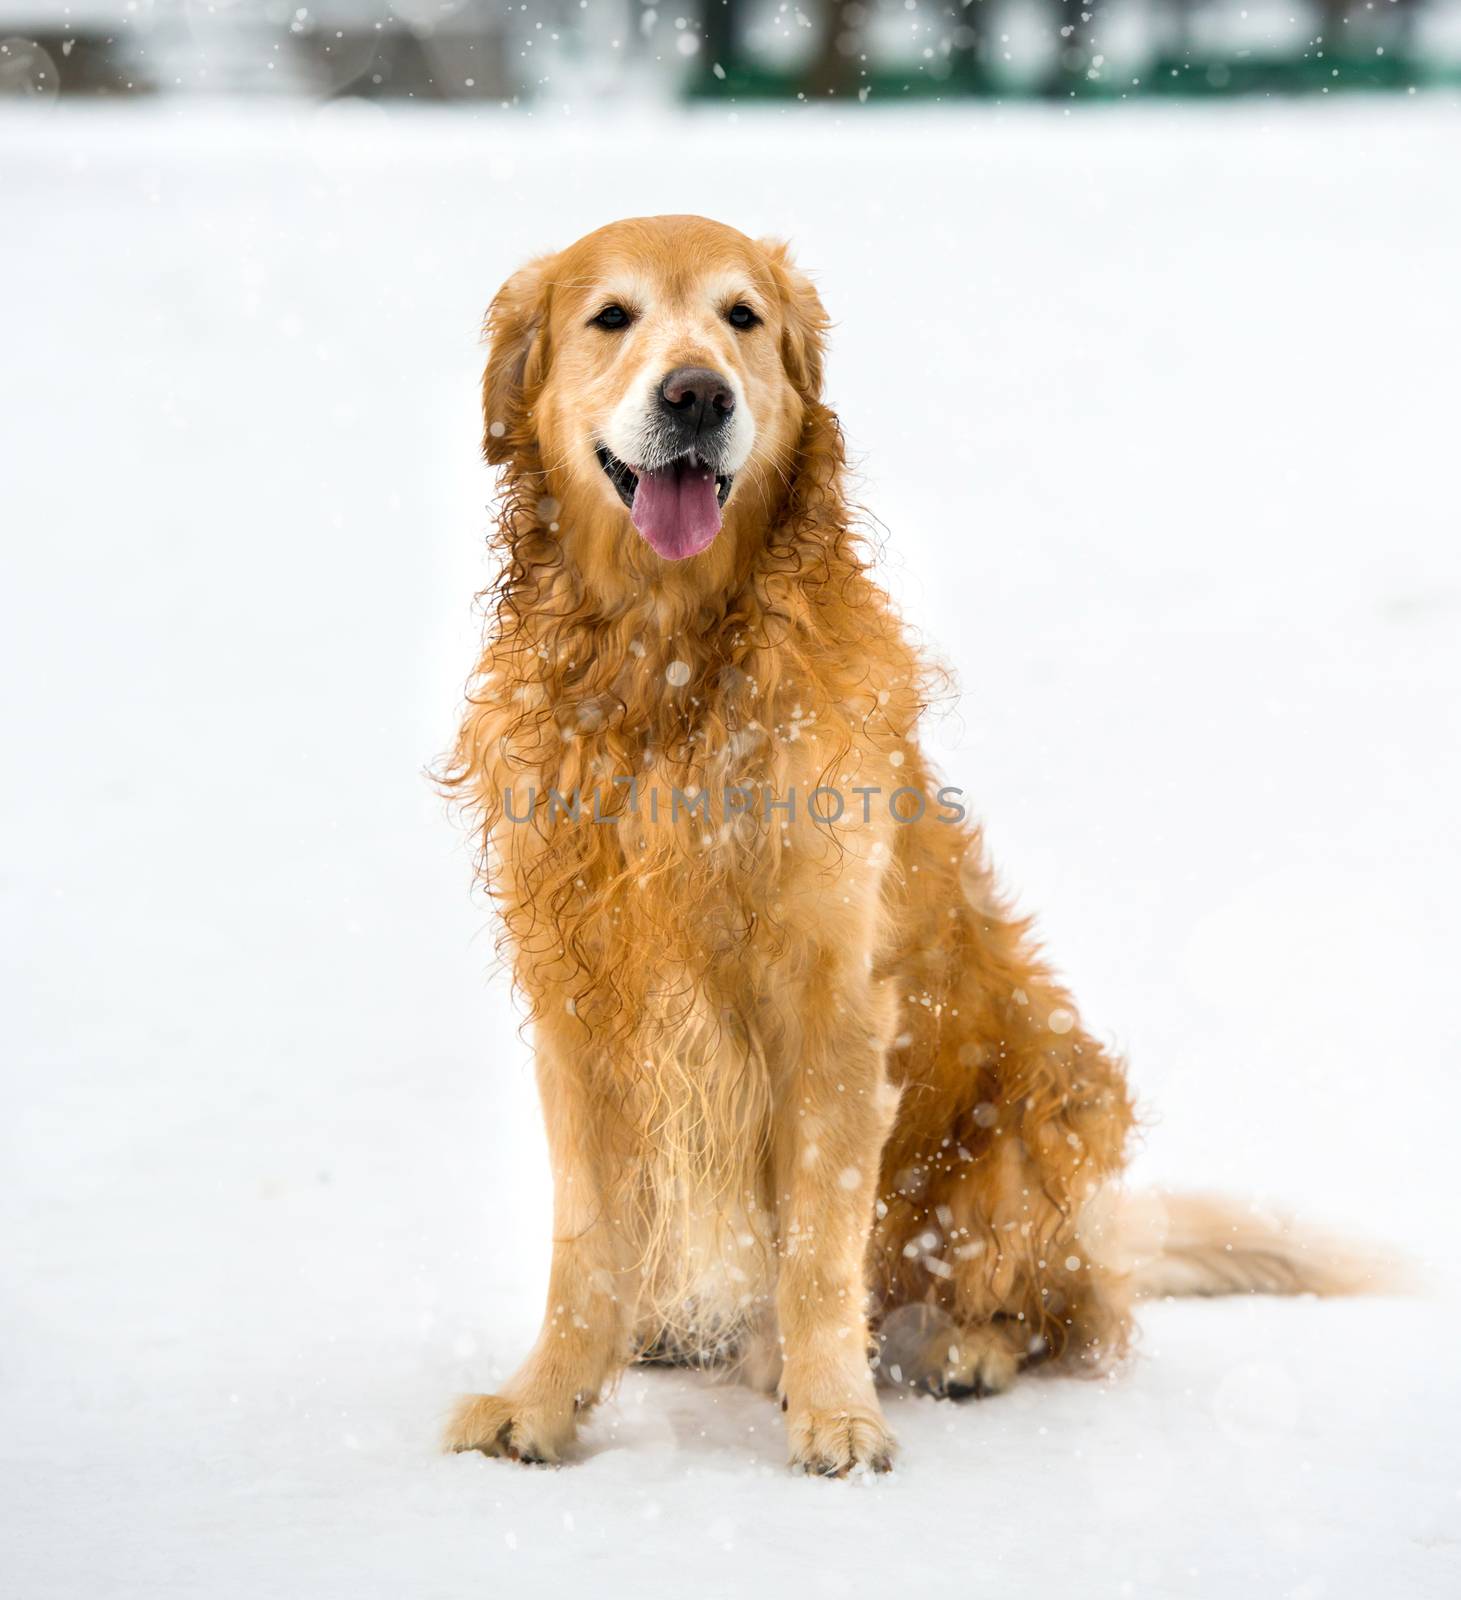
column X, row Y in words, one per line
column 1158, row 408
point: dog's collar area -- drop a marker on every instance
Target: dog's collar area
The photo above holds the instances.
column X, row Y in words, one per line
column 626, row 480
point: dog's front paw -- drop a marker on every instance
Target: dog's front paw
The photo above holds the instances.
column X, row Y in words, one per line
column 498, row 1425
column 833, row 1442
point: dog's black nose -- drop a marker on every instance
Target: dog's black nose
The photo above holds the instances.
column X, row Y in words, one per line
column 698, row 399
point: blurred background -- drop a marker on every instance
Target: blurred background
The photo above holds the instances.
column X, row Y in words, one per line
column 505, row 53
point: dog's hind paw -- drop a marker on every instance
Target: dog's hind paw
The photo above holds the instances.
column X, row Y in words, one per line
column 921, row 1347
column 979, row 1365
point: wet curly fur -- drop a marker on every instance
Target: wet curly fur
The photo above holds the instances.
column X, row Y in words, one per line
column 810, row 1090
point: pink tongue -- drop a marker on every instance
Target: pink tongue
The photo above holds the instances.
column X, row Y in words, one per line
column 676, row 510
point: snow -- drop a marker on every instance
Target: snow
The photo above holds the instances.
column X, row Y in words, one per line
column 1157, row 409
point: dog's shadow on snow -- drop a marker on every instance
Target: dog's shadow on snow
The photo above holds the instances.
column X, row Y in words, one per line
column 702, row 1422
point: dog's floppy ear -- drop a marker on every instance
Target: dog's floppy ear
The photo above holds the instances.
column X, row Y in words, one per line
column 517, row 358
column 805, row 321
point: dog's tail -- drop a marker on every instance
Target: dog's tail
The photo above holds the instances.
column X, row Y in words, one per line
column 1195, row 1244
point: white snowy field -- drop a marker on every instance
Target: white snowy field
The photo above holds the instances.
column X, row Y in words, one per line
column 1158, row 409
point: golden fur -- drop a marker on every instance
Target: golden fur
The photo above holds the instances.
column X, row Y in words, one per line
column 808, row 1085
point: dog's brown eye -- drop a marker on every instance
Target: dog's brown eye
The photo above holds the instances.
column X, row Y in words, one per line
column 613, row 318
column 741, row 316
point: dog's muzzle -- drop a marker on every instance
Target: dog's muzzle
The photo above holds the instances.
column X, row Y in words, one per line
column 676, row 494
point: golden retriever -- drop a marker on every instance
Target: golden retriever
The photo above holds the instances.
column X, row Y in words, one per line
column 816, row 1107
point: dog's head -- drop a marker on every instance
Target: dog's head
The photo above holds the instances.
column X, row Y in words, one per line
column 657, row 373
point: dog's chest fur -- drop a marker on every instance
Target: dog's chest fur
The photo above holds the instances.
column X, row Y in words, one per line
column 679, row 929
column 691, row 831
column 694, row 931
